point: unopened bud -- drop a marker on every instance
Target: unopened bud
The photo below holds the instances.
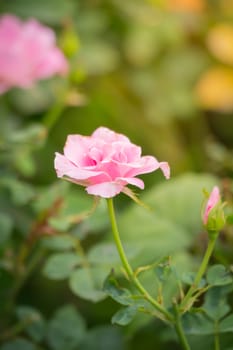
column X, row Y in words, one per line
column 213, row 214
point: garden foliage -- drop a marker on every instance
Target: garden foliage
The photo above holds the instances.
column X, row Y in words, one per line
column 161, row 73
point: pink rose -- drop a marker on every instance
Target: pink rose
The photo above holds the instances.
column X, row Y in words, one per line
column 28, row 53
column 105, row 162
column 213, row 200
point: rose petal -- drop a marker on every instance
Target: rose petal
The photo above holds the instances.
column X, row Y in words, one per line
column 75, row 148
column 64, row 167
column 105, row 190
column 132, row 181
column 145, row 165
column 164, row 166
column 108, row 135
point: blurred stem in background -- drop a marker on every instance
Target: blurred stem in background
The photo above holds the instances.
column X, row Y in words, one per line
column 24, row 271
column 53, row 114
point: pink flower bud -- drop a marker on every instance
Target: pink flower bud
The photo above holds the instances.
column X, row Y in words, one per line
column 214, row 198
column 213, row 216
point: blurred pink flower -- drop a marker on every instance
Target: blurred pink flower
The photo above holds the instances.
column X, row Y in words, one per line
column 28, row 53
column 105, row 162
column 213, row 200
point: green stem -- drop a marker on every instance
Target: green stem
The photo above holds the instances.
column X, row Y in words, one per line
column 128, row 268
column 200, row 272
column 53, row 114
column 216, row 338
column 80, row 251
column 179, row 329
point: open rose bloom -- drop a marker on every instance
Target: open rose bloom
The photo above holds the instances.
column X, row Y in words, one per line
column 28, row 53
column 105, row 163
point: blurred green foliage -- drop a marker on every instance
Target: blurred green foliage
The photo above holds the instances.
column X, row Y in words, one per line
column 146, row 68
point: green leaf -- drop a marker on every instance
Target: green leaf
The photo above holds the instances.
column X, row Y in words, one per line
column 197, row 324
column 215, row 304
column 124, row 316
column 18, row 344
column 60, row 266
column 6, row 226
column 217, row 275
column 87, row 283
column 189, row 277
column 103, row 338
column 61, row 224
column 27, row 102
column 66, row 330
column 154, row 235
column 23, row 161
column 31, row 134
column 121, row 295
column 103, row 253
column 106, row 253
column 61, row 242
column 226, row 325
column 36, row 324
column 21, row 192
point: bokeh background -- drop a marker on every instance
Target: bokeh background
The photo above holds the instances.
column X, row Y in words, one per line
column 159, row 71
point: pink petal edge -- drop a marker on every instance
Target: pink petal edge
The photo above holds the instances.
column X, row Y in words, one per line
column 105, row 190
column 164, row 166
